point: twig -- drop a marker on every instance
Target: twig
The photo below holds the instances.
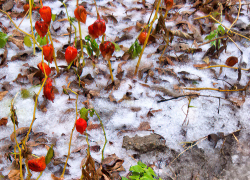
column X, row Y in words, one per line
column 207, row 67
column 207, row 42
column 187, row 149
column 220, row 90
column 222, row 25
column 236, row 17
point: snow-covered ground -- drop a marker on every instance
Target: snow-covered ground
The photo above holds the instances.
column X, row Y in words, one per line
column 57, row 122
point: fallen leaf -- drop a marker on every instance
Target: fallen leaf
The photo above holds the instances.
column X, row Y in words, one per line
column 3, row 121
column 2, row 94
column 20, row 131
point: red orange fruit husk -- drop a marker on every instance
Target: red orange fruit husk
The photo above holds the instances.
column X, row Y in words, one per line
column 46, row 68
column 37, row 165
column 41, row 28
column 107, row 49
column 48, row 52
column 48, row 90
column 142, row 37
column 81, row 125
column 81, row 14
column 45, row 13
column 70, row 54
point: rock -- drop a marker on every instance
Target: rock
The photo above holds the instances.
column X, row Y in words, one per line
column 144, row 144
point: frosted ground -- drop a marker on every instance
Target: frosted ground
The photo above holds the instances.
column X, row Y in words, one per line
column 203, row 117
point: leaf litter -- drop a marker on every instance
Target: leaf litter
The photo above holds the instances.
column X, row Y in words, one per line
column 130, row 105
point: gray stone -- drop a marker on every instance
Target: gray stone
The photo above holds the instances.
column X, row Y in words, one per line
column 144, row 144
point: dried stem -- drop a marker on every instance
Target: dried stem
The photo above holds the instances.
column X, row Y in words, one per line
column 32, row 33
column 207, row 67
column 236, row 17
column 54, row 54
column 39, row 175
column 222, row 25
column 71, row 135
column 34, row 112
column 17, row 144
column 146, row 40
column 98, row 15
column 110, row 69
column 220, row 90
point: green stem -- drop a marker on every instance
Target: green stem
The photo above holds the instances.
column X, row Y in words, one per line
column 103, row 133
column 39, row 175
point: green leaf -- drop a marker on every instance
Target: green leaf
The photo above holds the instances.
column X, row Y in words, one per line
column 117, row 47
column 136, row 168
column 221, row 30
column 50, row 155
column 84, row 114
column 142, row 164
column 151, row 171
column 25, row 93
column 92, row 112
column 214, row 14
column 124, row 178
column 134, row 177
column 89, row 50
column 3, row 35
column 41, row 41
column 2, row 42
column 88, row 38
column 94, row 45
column 53, row 17
column 27, row 41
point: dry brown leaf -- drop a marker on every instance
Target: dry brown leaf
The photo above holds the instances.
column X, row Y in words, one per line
column 3, row 121
column 144, row 126
column 17, row 42
column 2, row 94
column 56, row 178
column 20, row 131
column 3, row 58
column 14, row 174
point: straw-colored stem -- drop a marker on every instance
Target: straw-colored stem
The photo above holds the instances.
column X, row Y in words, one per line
column 110, row 69
column 27, row 167
column 207, row 67
column 54, row 54
column 34, row 112
column 32, row 32
column 146, row 40
column 222, row 25
column 71, row 135
column 19, row 149
column 39, row 175
column 15, row 24
column 236, row 17
column 98, row 15
column 165, row 15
